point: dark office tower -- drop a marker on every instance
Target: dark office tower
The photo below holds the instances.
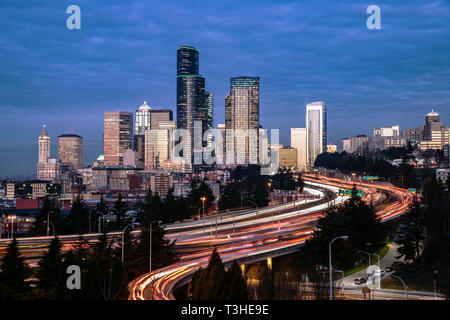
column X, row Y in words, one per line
column 206, row 115
column 242, row 113
column 187, row 61
column 193, row 102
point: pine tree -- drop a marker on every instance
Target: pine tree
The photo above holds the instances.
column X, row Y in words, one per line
column 77, row 221
column 14, row 272
column 266, row 287
column 119, row 209
column 210, row 283
column 48, row 210
column 237, row 289
column 50, row 273
column 412, row 233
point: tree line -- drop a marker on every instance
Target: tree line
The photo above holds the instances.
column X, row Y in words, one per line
column 103, row 275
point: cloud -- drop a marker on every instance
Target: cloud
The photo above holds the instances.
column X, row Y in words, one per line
column 126, row 53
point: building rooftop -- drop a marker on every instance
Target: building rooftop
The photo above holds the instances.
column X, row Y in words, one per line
column 145, row 106
column 69, row 135
column 432, row 113
column 44, row 131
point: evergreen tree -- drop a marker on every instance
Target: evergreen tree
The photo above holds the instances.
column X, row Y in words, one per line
column 412, row 233
column 355, row 219
column 14, row 272
column 47, row 211
column 200, row 189
column 101, row 209
column 77, row 221
column 261, row 195
column 231, row 197
column 50, row 273
column 163, row 252
column 236, row 288
column 210, row 283
column 266, row 286
column 119, row 210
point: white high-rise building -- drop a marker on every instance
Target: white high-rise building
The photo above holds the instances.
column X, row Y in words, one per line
column 316, row 130
column 298, row 141
column 392, row 131
column 143, row 119
column 44, row 146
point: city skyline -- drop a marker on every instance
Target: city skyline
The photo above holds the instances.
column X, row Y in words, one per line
column 307, row 63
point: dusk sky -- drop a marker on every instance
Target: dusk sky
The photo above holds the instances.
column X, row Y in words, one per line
column 125, row 53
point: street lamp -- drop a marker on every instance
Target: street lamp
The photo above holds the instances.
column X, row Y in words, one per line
column 150, row 245
column 404, row 285
column 53, row 227
column 203, row 203
column 378, row 256
column 48, row 222
column 123, row 242
column 329, row 259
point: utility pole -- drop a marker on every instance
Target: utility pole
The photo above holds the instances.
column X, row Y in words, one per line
column 150, row 245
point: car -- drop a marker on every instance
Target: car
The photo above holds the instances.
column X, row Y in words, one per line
column 363, row 280
column 357, row 281
column 389, row 269
column 396, row 264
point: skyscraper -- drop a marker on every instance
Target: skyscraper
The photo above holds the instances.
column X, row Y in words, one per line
column 298, row 141
column 143, row 119
column 117, row 136
column 70, row 150
column 193, row 102
column 142, row 123
column 44, row 146
column 47, row 169
column 316, row 130
column 159, row 116
column 242, row 114
column 156, row 148
column 435, row 134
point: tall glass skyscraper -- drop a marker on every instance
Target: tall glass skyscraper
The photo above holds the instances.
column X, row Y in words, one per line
column 242, row 113
column 316, row 130
column 193, row 102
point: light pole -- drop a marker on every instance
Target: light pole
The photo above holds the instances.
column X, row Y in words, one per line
column 150, row 245
column 365, row 253
column 404, row 285
column 329, row 259
column 378, row 256
column 123, row 240
column 48, row 222
column 203, row 204
column 53, row 227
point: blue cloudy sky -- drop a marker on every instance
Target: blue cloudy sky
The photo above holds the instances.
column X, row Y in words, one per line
column 125, row 53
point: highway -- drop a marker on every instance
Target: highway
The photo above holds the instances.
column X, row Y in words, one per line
column 260, row 237
column 247, row 236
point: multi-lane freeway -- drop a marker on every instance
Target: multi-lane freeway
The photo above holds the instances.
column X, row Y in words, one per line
column 247, row 236
column 270, row 232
